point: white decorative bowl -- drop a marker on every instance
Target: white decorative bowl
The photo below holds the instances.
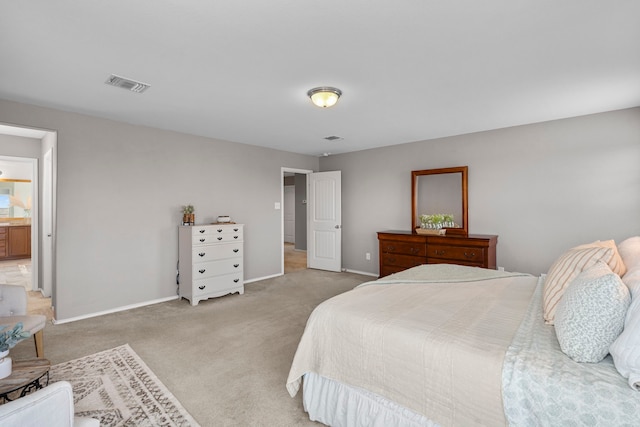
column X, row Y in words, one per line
column 224, row 218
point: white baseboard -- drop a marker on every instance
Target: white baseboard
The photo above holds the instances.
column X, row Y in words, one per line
column 114, row 310
column 364, row 273
column 263, row 278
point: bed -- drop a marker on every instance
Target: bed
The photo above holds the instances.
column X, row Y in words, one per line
column 447, row 345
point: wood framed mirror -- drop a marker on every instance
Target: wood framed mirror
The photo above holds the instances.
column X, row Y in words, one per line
column 440, row 191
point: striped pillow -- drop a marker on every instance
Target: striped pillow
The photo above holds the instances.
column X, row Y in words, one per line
column 616, row 263
column 564, row 270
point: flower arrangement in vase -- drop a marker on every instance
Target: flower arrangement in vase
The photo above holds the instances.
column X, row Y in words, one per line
column 188, row 217
column 8, row 339
column 436, row 221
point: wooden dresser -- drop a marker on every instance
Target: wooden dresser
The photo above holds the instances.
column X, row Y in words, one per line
column 400, row 250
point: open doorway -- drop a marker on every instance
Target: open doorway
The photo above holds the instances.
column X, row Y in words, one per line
column 294, row 219
column 33, row 250
column 18, row 191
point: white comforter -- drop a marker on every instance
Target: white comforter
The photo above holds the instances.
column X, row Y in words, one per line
column 436, row 348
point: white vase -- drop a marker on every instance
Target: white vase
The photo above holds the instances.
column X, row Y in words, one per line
column 5, row 364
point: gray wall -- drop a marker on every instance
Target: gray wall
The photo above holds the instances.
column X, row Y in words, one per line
column 119, row 192
column 542, row 187
column 19, row 146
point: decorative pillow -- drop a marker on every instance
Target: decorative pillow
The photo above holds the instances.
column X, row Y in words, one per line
column 626, row 349
column 616, row 262
column 630, row 252
column 591, row 314
column 564, row 270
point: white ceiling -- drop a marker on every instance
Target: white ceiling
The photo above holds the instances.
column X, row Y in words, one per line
column 409, row 70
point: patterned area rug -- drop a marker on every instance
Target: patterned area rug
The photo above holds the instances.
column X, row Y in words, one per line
column 118, row 388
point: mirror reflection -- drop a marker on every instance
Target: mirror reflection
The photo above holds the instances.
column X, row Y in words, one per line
column 439, row 199
column 15, row 198
column 440, row 195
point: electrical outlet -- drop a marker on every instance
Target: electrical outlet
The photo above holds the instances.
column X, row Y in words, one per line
column 500, row 268
column 367, row 256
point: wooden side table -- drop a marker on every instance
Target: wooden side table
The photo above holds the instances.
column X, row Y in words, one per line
column 26, row 376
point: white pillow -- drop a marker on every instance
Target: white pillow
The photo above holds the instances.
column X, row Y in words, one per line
column 590, row 315
column 564, row 270
column 626, row 349
column 630, row 252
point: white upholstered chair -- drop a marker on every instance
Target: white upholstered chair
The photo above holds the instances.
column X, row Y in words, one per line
column 13, row 309
column 51, row 406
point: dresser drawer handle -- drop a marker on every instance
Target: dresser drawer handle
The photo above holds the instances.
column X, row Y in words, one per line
column 236, row 265
column 235, row 229
column 414, row 250
column 202, row 287
column 439, row 252
column 470, row 255
column 219, row 230
column 202, row 240
column 202, row 270
column 219, row 238
column 391, row 248
column 201, row 254
column 392, row 260
column 235, row 237
column 236, row 250
column 201, row 231
column 236, row 280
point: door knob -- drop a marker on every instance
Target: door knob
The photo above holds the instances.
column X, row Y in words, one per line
column 338, row 226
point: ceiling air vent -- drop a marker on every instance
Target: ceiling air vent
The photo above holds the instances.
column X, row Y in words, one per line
column 128, row 84
column 332, row 138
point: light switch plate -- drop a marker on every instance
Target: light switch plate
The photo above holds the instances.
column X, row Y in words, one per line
column 276, row 205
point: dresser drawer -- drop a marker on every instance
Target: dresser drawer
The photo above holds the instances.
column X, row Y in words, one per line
column 405, row 248
column 217, row 285
column 215, row 229
column 208, row 239
column 216, row 252
column 202, row 270
column 399, row 260
column 456, row 253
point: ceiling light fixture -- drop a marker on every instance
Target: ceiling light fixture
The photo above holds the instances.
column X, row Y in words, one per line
column 324, row 96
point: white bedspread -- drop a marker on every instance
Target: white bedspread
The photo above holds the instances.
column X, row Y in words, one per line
column 435, row 348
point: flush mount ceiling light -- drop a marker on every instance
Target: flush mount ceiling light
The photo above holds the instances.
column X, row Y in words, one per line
column 324, row 96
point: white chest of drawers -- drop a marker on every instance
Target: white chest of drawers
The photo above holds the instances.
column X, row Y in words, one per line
column 210, row 261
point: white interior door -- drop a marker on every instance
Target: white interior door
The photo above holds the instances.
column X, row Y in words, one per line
column 324, row 246
column 289, row 213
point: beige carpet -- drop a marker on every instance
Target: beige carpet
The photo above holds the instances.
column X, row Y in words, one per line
column 118, row 389
column 227, row 359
